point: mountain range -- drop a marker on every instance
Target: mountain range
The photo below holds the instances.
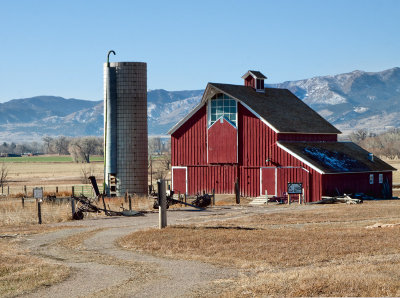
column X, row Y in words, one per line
column 350, row 101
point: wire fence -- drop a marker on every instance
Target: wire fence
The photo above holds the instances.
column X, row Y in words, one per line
column 52, row 190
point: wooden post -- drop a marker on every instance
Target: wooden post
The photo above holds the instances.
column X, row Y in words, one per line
column 56, row 189
column 73, row 191
column 266, row 196
column 288, row 198
column 213, row 198
column 185, row 199
column 25, row 191
column 2, row 188
column 8, row 190
column 302, row 195
column 237, row 192
column 126, row 197
column 39, row 210
column 162, row 209
column 130, row 202
column 104, row 203
column 73, row 206
column 23, row 202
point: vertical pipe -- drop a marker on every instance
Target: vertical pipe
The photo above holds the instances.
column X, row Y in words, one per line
column 39, row 208
column 162, row 205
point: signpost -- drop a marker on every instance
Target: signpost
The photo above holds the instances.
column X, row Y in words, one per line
column 38, row 195
column 294, row 188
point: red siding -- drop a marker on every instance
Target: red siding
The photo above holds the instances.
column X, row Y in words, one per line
column 334, row 184
column 179, row 180
column 207, row 178
column 307, row 137
column 222, row 142
column 189, row 142
column 268, row 181
column 257, row 142
column 249, row 181
column 249, row 81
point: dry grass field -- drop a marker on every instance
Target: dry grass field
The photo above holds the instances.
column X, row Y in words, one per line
column 329, row 251
column 298, row 251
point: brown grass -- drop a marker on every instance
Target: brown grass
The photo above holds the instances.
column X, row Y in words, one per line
column 308, row 251
column 21, row 273
column 12, row 213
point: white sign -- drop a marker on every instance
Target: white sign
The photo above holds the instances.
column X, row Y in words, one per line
column 38, row 193
column 294, row 188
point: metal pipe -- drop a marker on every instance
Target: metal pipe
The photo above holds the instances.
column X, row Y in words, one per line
column 108, row 57
column 106, row 116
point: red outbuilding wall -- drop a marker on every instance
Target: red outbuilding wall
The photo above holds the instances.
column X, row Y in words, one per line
column 355, row 183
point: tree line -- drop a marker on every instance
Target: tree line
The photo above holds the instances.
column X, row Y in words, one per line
column 386, row 144
column 80, row 148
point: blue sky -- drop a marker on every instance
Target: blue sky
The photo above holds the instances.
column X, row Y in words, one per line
column 58, row 47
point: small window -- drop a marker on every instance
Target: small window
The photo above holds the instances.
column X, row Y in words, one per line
column 380, row 178
column 371, row 178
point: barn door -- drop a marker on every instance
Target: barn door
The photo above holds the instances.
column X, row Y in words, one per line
column 179, row 180
column 268, row 181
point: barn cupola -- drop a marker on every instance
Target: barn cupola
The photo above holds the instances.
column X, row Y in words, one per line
column 254, row 79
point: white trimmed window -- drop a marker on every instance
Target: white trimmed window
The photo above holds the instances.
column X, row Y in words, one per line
column 371, row 178
column 222, row 105
column 380, row 178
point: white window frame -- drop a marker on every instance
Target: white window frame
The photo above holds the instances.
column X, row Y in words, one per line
column 371, row 178
column 380, row 178
column 235, row 124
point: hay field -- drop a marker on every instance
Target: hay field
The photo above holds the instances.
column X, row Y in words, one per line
column 332, row 250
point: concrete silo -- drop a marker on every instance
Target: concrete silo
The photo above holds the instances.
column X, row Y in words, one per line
column 125, row 128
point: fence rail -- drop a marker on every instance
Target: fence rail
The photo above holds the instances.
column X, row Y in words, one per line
column 63, row 190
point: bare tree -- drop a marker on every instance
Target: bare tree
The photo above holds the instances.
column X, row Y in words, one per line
column 47, row 143
column 154, row 145
column 3, row 173
column 60, row 145
column 359, row 135
column 81, row 149
column 86, row 172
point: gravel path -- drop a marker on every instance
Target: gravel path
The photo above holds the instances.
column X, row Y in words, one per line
column 102, row 268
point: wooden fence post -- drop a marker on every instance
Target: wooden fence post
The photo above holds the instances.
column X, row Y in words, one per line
column 39, row 208
column 237, row 192
column 25, row 191
column 162, row 205
column 23, row 202
column 73, row 206
column 73, row 191
column 130, row 202
column 213, row 198
column 56, row 189
column 8, row 190
column 185, row 199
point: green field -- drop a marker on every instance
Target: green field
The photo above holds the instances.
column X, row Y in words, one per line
column 51, row 158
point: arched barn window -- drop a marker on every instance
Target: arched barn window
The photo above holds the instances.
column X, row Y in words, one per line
column 222, row 105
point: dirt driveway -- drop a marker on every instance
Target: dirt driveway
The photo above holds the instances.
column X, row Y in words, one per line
column 101, row 268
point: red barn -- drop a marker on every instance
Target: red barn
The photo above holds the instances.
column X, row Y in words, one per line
column 264, row 138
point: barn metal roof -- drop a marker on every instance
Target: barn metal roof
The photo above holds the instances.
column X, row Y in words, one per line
column 278, row 107
column 335, row 157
